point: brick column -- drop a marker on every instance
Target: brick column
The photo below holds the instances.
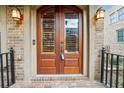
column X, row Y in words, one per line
column 15, row 39
column 99, row 42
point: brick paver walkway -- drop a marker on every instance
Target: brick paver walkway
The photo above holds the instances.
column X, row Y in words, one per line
column 59, row 82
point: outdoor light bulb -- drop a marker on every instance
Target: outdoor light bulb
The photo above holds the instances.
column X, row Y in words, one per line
column 98, row 15
column 13, row 13
column 101, row 14
column 16, row 14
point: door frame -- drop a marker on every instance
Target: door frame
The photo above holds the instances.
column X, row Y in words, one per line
column 59, row 10
column 30, row 33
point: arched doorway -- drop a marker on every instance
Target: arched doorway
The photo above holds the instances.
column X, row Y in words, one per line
column 59, row 40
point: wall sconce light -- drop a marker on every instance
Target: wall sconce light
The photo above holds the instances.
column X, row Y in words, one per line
column 16, row 14
column 100, row 13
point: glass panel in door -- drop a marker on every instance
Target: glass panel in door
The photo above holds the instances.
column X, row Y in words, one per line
column 71, row 32
column 48, row 31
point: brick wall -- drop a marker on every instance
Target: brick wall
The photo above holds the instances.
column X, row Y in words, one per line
column 106, row 36
column 15, row 34
column 111, row 32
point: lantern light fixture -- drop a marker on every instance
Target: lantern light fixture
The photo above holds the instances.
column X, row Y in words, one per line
column 100, row 13
column 16, row 14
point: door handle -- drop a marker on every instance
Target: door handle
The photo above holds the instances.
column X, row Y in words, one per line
column 62, row 51
column 62, row 57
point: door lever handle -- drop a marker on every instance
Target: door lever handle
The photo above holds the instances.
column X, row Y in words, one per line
column 62, row 57
column 62, row 51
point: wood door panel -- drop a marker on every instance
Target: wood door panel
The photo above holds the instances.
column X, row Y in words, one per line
column 48, row 56
column 47, row 70
column 71, row 70
column 72, row 55
column 47, row 63
column 71, row 63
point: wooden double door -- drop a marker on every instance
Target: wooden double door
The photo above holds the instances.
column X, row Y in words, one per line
column 59, row 40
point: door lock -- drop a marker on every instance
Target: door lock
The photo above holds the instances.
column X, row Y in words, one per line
column 33, row 42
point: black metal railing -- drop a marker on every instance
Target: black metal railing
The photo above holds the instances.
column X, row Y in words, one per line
column 112, row 69
column 7, row 70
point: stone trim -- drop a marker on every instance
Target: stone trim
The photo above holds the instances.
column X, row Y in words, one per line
column 91, row 42
column 3, row 29
column 85, row 42
column 33, row 37
column 27, row 43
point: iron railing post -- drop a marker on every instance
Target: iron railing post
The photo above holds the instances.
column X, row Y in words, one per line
column 123, row 72
column 2, row 73
column 105, row 69
column 12, row 65
column 111, row 70
column 7, row 69
column 106, row 78
column 102, row 65
column 117, row 71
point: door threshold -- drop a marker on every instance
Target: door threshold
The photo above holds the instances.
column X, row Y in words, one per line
column 57, row 75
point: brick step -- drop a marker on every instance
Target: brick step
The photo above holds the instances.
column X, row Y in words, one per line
column 59, row 84
column 44, row 78
column 58, row 81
